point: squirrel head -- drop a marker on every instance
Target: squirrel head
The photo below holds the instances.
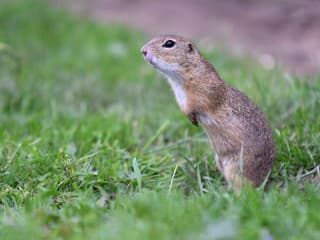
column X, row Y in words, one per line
column 170, row 54
column 193, row 80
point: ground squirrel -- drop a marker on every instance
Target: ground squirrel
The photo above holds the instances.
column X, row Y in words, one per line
column 238, row 131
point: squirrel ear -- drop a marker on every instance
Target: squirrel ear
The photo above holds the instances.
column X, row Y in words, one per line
column 190, row 48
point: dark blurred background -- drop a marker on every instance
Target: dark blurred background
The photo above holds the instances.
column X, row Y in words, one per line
column 282, row 31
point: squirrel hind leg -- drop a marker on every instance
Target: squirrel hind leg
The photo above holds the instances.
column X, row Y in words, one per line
column 236, row 180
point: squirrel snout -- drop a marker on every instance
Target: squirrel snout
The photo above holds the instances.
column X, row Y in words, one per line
column 147, row 55
column 144, row 51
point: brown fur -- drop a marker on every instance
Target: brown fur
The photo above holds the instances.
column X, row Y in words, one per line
column 238, row 131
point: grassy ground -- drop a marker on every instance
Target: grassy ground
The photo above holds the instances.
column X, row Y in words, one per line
column 93, row 145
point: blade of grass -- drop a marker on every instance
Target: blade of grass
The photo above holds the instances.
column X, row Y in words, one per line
column 137, row 173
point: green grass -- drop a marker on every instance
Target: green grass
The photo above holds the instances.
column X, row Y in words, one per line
column 91, row 137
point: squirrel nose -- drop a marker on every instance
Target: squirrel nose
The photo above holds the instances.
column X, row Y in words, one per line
column 144, row 52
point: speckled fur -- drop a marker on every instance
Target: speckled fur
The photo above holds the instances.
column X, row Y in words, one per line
column 238, row 131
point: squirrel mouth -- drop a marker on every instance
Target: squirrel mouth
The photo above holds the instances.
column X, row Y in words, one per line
column 150, row 60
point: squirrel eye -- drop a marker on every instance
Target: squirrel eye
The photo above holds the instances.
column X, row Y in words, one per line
column 169, row 44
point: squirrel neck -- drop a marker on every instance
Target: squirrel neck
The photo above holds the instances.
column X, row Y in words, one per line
column 205, row 90
column 198, row 88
